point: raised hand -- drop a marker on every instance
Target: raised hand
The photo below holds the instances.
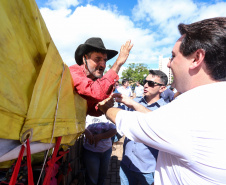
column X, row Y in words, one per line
column 124, row 52
column 123, row 55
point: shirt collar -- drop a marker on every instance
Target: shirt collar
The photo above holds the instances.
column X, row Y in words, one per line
column 157, row 103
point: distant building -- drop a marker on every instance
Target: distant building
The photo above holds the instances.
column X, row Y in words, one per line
column 163, row 67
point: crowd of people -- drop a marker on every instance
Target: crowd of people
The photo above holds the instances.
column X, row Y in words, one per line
column 168, row 139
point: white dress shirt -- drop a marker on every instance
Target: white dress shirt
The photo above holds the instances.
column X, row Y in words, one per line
column 126, row 91
column 139, row 91
column 190, row 134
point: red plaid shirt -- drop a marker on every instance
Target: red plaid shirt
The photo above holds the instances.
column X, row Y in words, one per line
column 93, row 91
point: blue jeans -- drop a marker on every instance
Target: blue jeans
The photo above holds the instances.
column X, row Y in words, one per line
column 128, row 177
column 96, row 166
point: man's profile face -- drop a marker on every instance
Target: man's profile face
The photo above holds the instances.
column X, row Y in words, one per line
column 179, row 65
column 153, row 91
column 96, row 64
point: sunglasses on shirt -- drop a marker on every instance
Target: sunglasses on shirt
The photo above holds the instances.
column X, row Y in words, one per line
column 152, row 83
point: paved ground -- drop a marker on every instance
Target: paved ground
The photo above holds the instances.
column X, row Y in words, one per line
column 116, row 157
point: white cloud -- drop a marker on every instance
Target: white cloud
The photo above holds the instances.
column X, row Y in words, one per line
column 58, row 4
column 163, row 16
column 160, row 11
column 69, row 28
column 209, row 11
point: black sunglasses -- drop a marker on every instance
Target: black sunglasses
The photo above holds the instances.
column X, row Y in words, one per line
column 152, row 83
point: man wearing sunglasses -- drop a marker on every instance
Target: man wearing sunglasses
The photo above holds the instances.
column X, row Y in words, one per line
column 139, row 160
column 189, row 132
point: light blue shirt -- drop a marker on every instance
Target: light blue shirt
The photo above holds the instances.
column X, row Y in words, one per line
column 137, row 156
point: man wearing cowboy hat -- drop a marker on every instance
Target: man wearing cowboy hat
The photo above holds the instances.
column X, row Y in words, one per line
column 87, row 74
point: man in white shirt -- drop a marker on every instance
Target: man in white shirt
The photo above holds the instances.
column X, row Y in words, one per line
column 139, row 90
column 125, row 89
column 191, row 146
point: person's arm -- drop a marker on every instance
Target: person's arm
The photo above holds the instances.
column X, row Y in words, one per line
column 92, row 90
column 88, row 136
column 176, row 94
column 130, row 103
column 110, row 133
column 123, row 55
column 134, row 95
column 93, row 108
column 111, row 112
column 94, row 111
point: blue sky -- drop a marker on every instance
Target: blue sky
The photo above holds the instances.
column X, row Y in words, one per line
column 150, row 24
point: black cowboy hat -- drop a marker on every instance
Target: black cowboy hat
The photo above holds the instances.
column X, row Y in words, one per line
column 93, row 43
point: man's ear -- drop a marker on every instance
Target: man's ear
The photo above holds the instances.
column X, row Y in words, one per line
column 83, row 60
column 198, row 58
column 162, row 88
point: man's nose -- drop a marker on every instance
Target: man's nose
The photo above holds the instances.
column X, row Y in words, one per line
column 102, row 63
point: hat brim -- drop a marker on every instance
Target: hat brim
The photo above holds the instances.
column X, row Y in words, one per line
column 85, row 48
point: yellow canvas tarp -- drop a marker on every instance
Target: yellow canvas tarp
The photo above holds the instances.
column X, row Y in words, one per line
column 33, row 78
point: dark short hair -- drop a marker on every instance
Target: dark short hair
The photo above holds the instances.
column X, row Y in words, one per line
column 124, row 81
column 209, row 35
column 163, row 77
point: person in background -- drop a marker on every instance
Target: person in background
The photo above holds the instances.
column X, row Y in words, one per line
column 88, row 78
column 139, row 90
column 125, row 89
column 116, row 86
column 97, row 149
column 191, row 146
column 168, row 95
column 139, row 160
column 176, row 95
